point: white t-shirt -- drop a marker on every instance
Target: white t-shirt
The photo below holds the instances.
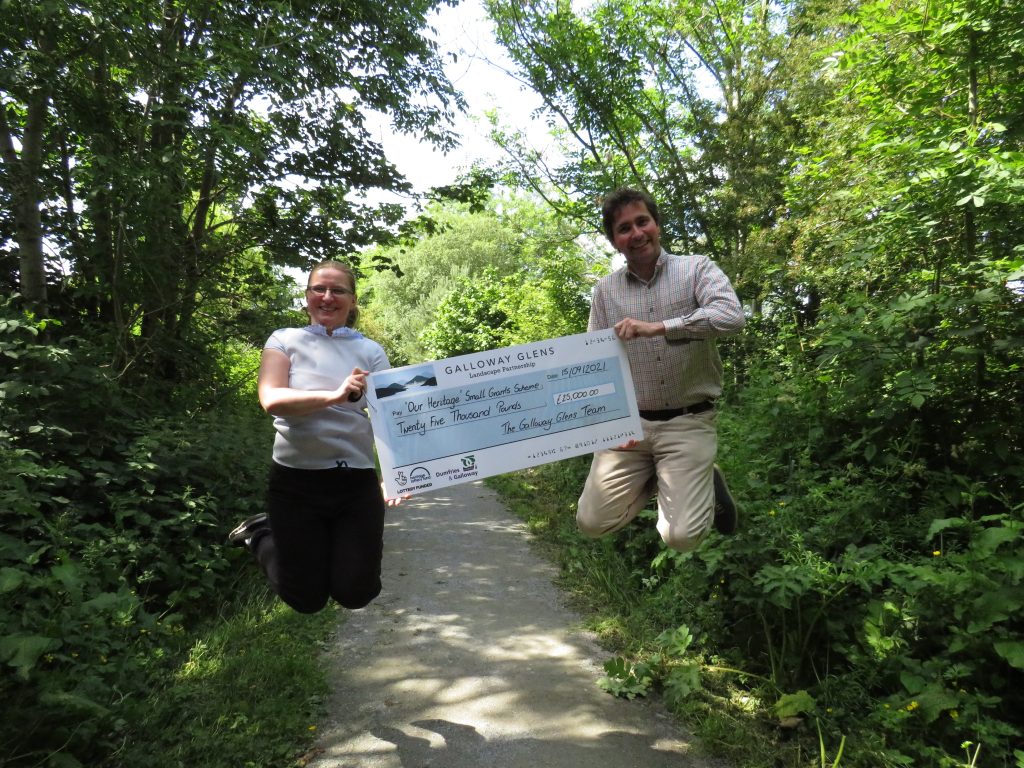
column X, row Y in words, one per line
column 337, row 436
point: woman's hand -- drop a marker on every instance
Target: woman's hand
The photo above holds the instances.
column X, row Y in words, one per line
column 279, row 399
column 395, row 501
column 354, row 386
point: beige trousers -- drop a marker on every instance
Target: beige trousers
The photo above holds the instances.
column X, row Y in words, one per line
column 676, row 458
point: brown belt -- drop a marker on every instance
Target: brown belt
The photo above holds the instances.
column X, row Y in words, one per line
column 671, row 413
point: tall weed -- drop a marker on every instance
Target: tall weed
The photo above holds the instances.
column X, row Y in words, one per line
column 115, row 510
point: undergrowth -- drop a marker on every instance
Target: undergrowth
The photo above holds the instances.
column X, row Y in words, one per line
column 129, row 635
column 248, row 693
column 866, row 614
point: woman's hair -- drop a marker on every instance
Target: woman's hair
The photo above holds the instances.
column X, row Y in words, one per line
column 618, row 200
column 341, row 266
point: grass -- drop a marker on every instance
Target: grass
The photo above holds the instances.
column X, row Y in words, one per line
column 248, row 693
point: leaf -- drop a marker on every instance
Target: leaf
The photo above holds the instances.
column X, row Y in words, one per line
column 792, row 704
column 11, row 579
column 106, row 601
column 989, row 540
column 935, row 700
column 73, row 702
column 62, row 760
column 946, row 522
column 675, row 641
column 68, row 575
column 684, row 680
column 1012, row 651
column 23, row 651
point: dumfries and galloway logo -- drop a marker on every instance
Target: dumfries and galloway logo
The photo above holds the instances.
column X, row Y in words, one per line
column 469, row 462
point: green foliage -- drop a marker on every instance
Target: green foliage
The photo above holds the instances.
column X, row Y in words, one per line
column 161, row 150
column 851, row 596
column 471, row 318
column 248, row 693
column 399, row 303
column 669, row 664
column 506, row 275
column 114, row 517
column 625, row 679
column 875, row 438
column 689, row 100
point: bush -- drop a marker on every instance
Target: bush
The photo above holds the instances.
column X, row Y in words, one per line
column 115, row 512
column 879, row 595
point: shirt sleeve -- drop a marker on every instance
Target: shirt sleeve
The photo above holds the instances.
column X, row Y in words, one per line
column 598, row 320
column 275, row 342
column 380, row 359
column 718, row 312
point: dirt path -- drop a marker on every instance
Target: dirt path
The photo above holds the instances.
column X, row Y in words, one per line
column 470, row 659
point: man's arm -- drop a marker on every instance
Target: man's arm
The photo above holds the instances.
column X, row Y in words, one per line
column 718, row 313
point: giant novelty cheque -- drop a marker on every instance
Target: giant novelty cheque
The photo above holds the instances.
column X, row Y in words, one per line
column 465, row 418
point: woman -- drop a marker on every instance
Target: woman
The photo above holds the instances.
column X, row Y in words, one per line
column 322, row 535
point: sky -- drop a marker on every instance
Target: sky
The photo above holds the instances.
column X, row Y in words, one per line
column 480, row 71
column 483, row 72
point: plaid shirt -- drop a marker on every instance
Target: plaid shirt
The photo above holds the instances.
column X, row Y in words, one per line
column 696, row 301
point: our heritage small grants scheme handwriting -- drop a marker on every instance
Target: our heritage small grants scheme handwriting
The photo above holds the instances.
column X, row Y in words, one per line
column 469, row 417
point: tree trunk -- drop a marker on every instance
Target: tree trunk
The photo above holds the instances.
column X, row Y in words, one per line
column 25, row 172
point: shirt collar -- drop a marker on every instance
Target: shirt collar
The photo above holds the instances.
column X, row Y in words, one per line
column 339, row 333
column 657, row 269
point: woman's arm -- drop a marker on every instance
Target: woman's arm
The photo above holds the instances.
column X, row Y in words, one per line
column 278, row 399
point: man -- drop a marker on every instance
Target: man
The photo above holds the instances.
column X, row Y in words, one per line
column 668, row 309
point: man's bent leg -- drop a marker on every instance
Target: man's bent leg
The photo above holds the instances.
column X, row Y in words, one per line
column 620, row 483
column 684, row 451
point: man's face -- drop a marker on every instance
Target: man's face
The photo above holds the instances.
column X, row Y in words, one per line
column 636, row 235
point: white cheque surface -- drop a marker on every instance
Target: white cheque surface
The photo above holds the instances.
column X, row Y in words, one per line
column 461, row 419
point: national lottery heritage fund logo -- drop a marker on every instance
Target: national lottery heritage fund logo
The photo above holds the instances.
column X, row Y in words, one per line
column 420, row 477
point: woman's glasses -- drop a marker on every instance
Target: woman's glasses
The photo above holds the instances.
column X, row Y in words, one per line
column 322, row 290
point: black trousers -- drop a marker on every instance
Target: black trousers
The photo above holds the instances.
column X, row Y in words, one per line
column 326, row 537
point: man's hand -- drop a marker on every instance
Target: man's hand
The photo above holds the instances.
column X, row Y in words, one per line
column 632, row 329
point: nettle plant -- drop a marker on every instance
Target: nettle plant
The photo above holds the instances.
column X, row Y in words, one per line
column 113, row 519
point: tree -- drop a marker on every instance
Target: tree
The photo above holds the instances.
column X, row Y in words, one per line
column 684, row 99
column 509, row 274
column 151, row 146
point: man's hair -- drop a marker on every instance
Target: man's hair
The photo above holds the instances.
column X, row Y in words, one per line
column 619, row 199
column 353, row 314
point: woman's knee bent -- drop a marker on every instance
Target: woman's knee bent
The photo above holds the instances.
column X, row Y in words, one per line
column 305, row 604
column 353, row 599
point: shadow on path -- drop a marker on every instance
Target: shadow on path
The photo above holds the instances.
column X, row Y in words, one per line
column 470, row 658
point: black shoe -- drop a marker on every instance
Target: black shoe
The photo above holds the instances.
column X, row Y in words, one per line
column 727, row 517
column 243, row 534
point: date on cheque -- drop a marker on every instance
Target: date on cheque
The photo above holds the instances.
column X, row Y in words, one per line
column 582, row 369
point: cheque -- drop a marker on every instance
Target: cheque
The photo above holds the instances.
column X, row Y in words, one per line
column 469, row 417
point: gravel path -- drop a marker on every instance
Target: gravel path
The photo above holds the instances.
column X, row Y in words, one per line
column 471, row 659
